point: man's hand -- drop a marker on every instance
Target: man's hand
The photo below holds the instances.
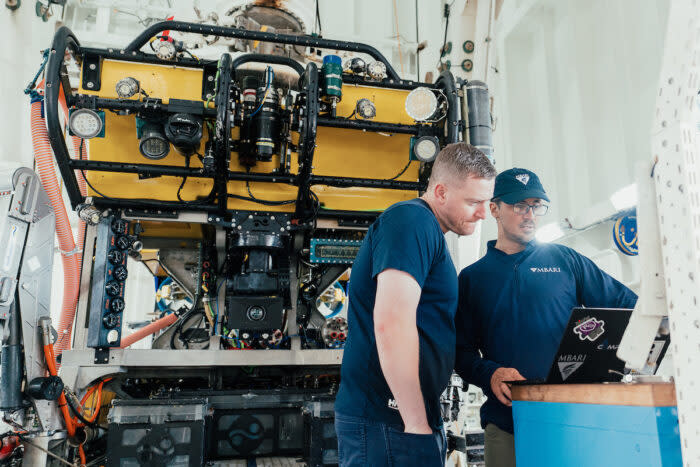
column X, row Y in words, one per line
column 499, row 388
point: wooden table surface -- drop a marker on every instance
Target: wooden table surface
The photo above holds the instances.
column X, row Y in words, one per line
column 634, row 394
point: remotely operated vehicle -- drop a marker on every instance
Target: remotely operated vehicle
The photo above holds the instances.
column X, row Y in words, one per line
column 245, row 185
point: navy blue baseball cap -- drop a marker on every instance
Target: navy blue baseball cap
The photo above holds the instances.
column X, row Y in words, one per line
column 514, row 185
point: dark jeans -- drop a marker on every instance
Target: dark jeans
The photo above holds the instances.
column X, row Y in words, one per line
column 364, row 442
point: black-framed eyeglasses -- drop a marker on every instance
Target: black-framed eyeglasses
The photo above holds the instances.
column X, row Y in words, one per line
column 537, row 209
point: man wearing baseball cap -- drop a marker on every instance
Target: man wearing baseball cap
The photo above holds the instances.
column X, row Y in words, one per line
column 514, row 304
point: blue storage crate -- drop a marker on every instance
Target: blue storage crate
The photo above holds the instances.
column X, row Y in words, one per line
column 591, row 435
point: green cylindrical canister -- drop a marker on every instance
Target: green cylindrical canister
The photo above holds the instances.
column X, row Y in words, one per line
column 332, row 69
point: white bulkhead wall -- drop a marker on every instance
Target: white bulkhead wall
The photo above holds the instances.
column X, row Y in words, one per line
column 574, row 87
column 24, row 36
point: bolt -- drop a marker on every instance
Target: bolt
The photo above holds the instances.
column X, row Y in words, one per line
column 92, row 66
column 90, row 85
column 210, row 78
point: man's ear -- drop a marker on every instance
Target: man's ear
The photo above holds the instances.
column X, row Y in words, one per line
column 495, row 210
column 440, row 193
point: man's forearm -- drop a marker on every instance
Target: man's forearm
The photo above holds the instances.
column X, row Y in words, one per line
column 474, row 369
column 397, row 346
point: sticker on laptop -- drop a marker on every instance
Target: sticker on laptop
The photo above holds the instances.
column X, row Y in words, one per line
column 568, row 364
column 589, row 328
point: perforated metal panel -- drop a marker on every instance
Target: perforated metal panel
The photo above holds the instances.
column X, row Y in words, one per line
column 677, row 178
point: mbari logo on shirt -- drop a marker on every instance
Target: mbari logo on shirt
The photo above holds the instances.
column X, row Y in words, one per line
column 391, row 403
column 545, row 269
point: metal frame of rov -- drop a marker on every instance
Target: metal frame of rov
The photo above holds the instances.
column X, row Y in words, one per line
column 320, row 178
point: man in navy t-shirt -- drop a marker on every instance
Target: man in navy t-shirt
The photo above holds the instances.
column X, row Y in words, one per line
column 403, row 297
column 514, row 304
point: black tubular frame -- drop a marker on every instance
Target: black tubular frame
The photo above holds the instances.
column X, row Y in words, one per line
column 265, row 58
column 153, row 105
column 308, row 41
column 56, row 78
column 369, row 125
column 63, row 39
column 307, row 139
column 222, row 131
column 446, row 82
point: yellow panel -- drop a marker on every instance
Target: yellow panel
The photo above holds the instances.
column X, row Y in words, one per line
column 339, row 152
column 171, row 229
column 390, row 103
column 158, row 81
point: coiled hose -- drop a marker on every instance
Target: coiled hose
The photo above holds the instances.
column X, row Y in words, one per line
column 43, row 156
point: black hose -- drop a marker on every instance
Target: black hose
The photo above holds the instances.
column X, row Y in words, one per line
column 76, row 410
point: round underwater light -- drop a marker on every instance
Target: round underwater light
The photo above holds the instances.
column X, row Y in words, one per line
column 165, row 50
column 365, row 109
column 85, row 123
column 127, row 87
column 421, row 104
column 376, row 70
column 426, row 148
column 153, row 143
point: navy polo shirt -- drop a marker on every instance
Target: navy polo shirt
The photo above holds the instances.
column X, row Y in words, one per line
column 513, row 309
column 407, row 237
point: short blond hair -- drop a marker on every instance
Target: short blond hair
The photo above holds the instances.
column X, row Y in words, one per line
column 458, row 161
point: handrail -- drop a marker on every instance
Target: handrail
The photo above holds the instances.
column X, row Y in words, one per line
column 63, row 39
column 266, row 58
column 305, row 40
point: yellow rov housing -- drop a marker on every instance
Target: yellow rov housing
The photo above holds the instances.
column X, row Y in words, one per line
column 313, row 142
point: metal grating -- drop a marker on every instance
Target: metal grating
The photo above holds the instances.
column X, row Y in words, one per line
column 674, row 143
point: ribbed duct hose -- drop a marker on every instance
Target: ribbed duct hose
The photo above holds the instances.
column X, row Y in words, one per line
column 80, row 153
column 152, row 328
column 43, row 156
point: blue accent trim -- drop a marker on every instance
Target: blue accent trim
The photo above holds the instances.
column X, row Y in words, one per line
column 591, row 435
column 332, row 59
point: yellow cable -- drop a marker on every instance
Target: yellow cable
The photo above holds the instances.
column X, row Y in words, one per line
column 262, row 29
column 209, row 314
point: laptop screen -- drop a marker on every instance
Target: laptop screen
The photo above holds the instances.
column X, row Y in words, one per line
column 587, row 350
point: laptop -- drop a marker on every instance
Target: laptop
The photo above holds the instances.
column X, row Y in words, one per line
column 587, row 351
